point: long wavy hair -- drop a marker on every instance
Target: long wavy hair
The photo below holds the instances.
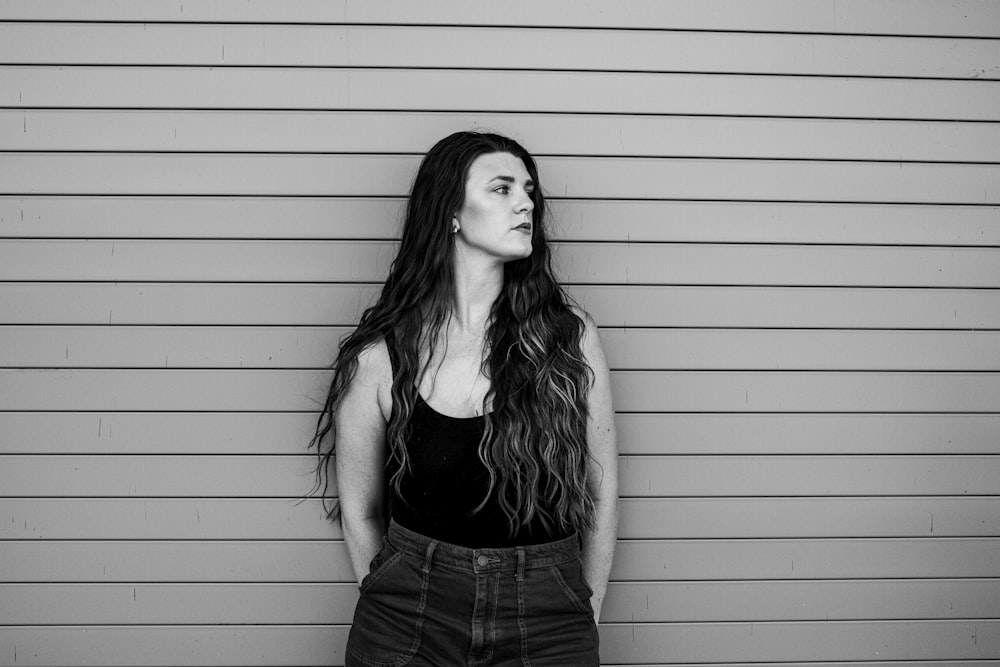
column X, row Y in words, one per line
column 534, row 445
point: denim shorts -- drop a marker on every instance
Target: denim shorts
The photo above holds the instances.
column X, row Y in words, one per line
column 426, row 602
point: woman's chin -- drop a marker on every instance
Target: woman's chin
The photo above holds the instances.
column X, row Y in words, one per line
column 519, row 254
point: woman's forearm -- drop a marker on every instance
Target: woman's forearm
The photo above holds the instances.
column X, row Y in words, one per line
column 363, row 538
column 598, row 552
column 602, row 441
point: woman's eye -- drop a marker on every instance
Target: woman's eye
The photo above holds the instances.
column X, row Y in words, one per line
column 503, row 189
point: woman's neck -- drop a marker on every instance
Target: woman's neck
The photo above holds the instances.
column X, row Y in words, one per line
column 477, row 286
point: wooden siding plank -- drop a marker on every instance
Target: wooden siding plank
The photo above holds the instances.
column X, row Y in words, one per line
column 156, row 433
column 166, row 389
column 807, row 433
column 277, row 433
column 150, row 303
column 169, row 476
column 627, row 349
column 720, row 476
column 263, row 476
column 641, row 518
column 117, row 561
column 693, row 391
column 136, row 646
column 297, row 261
column 695, row 560
column 645, row 643
column 312, row 132
column 634, row 391
column 898, row 640
column 543, row 134
column 723, row 349
column 385, row 175
column 776, row 307
column 243, row 217
column 190, row 347
column 564, row 92
column 492, row 48
column 893, row 17
column 611, row 306
column 203, row 561
column 578, row 263
column 165, row 519
column 660, row 264
column 649, row 518
column 646, row 602
column 588, row 220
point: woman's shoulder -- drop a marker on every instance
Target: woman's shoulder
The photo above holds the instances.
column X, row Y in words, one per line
column 375, row 371
column 589, row 326
column 374, row 361
column 590, row 341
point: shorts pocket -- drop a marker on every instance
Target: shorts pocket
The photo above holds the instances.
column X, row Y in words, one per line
column 380, row 564
column 389, row 617
column 569, row 576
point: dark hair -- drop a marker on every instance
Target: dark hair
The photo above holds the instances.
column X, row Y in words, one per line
column 534, row 446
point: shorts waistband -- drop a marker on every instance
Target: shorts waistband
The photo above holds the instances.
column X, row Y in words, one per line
column 466, row 559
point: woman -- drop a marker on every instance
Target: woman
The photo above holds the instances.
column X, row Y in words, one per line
column 471, row 416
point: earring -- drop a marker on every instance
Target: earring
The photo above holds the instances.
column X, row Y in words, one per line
column 455, row 228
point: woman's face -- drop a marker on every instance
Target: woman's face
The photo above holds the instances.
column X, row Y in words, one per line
column 495, row 218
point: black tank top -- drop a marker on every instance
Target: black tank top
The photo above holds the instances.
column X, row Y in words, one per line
column 447, row 481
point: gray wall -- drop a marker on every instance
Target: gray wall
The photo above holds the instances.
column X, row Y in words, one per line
column 783, row 215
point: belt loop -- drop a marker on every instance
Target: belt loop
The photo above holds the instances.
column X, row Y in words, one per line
column 521, row 560
column 429, row 555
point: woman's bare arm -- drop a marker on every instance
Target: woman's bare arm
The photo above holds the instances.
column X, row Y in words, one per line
column 360, row 457
column 599, row 543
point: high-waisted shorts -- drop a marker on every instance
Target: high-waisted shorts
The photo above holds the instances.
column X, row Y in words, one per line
column 426, row 602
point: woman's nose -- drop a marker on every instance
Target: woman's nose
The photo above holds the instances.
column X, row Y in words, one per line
column 525, row 204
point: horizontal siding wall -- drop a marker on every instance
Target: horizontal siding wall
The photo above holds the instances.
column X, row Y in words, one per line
column 784, row 216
